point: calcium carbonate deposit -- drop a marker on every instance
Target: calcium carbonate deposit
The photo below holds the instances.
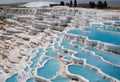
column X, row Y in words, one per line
column 60, row 44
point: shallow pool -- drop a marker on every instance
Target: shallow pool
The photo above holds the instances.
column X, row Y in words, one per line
column 69, row 58
column 43, row 60
column 113, row 71
column 107, row 23
column 26, row 69
column 87, row 73
column 101, row 35
column 12, row 78
column 117, row 22
column 56, row 46
column 49, row 70
column 51, row 54
column 111, row 57
column 35, row 59
column 80, row 44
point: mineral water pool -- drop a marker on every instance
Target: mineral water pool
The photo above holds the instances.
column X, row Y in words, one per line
column 87, row 73
column 107, row 23
column 50, row 54
column 69, row 58
column 51, row 38
column 35, row 59
column 60, row 35
column 34, row 51
column 61, row 53
column 56, row 46
column 78, row 43
column 12, row 78
column 117, row 22
column 110, row 70
column 30, row 80
column 106, row 68
column 65, row 43
column 26, row 69
column 60, row 79
column 111, row 57
column 49, row 48
column 101, row 35
column 43, row 60
column 49, row 70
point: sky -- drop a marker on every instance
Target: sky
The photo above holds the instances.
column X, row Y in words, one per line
column 110, row 2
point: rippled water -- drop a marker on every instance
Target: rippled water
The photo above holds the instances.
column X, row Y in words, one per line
column 49, row 70
column 91, row 75
column 95, row 34
column 12, row 78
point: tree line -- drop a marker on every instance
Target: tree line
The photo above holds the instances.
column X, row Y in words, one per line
column 71, row 4
column 99, row 5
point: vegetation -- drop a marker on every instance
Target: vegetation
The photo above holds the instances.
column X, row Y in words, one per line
column 75, row 3
column 71, row 3
column 99, row 5
column 62, row 3
column 105, row 5
column 92, row 4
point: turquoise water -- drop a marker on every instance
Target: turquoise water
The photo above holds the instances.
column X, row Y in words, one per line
column 13, row 78
column 43, row 60
column 49, row 70
column 113, row 58
column 65, row 44
column 60, row 35
column 49, row 48
column 30, row 80
column 97, row 62
column 106, row 68
column 34, row 51
column 78, row 43
column 26, row 69
column 51, row 54
column 117, row 22
column 61, row 53
column 95, row 34
column 107, row 23
column 69, row 58
column 60, row 79
column 87, row 73
column 51, row 66
column 35, row 59
column 51, row 38
column 56, row 46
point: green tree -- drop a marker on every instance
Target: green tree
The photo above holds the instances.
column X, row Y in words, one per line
column 100, row 5
column 92, row 4
column 62, row 3
column 75, row 3
column 71, row 3
column 105, row 4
